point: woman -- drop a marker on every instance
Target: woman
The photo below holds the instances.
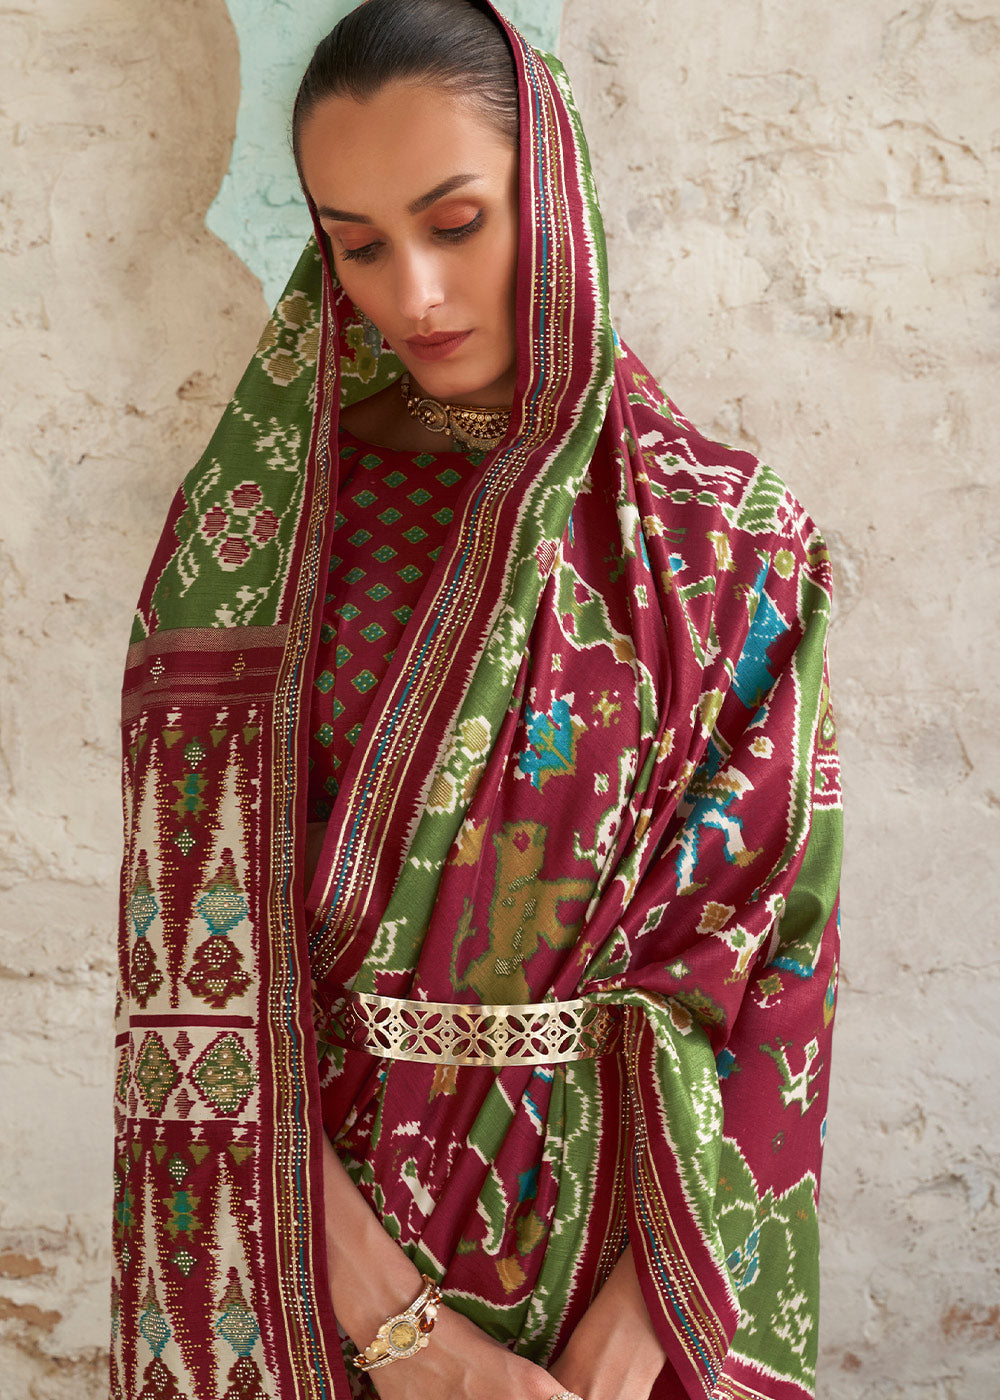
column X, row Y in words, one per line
column 479, row 936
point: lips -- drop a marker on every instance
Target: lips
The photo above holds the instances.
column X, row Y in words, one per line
column 437, row 346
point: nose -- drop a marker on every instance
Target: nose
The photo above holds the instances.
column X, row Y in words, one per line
column 419, row 284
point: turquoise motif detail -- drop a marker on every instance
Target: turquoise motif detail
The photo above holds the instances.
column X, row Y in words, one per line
column 711, row 793
column 237, row 1324
column 222, row 908
column 551, row 744
column 744, row 1261
column 753, row 677
column 142, row 909
column 153, row 1325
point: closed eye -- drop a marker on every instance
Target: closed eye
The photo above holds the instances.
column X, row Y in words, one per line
column 365, row 254
column 368, row 252
column 456, row 235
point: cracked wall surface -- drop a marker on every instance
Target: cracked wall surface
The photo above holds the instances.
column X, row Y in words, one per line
column 803, row 248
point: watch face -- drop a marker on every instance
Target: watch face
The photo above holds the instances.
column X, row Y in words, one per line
column 403, row 1336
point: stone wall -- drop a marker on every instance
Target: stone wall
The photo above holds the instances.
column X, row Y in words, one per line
column 798, row 203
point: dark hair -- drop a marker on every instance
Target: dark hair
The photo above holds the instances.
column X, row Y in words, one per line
column 452, row 43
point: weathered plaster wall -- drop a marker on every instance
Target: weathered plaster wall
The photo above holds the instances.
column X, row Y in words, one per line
column 801, row 247
column 123, row 326
column 804, row 250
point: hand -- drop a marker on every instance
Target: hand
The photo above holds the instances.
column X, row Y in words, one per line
column 613, row 1351
column 372, row 1279
column 463, row 1363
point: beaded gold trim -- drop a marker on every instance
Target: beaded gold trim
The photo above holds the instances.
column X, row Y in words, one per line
column 450, row 1033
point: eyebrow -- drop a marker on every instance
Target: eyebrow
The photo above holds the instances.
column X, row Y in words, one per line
column 454, row 182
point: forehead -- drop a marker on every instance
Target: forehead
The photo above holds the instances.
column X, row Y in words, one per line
column 378, row 156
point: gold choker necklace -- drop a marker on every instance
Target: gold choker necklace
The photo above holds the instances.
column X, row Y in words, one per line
column 479, row 429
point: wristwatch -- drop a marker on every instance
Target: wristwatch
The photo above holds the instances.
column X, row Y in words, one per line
column 406, row 1333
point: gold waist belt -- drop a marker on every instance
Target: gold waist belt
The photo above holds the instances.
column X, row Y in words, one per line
column 450, row 1033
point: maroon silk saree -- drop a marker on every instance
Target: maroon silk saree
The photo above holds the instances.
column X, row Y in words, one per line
column 601, row 765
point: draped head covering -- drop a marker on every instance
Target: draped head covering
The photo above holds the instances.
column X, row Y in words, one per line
column 601, row 765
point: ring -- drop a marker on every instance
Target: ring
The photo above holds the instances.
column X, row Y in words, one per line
column 566, row 1395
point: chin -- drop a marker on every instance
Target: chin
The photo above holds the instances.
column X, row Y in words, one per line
column 453, row 382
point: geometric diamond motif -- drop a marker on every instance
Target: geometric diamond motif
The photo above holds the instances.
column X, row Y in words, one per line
column 184, row 1260
column 364, row 681
column 237, row 1324
column 152, row 1324
column 178, row 1167
column 142, row 904
column 223, row 1074
column 155, row 1072
column 223, row 906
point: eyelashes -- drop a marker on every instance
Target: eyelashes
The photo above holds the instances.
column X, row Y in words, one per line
column 370, row 251
column 457, row 235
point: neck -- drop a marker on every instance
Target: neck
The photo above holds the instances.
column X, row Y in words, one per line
column 492, row 397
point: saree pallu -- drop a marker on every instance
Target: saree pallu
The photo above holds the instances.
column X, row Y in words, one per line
column 602, row 764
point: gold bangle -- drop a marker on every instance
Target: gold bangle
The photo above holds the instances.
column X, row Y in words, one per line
column 404, row 1334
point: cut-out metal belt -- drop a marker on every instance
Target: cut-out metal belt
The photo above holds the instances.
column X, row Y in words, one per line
column 450, row 1033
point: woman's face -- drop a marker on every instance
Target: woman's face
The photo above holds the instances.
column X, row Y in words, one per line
column 418, row 194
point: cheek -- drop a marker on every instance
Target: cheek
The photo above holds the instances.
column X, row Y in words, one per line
column 497, row 270
column 363, row 291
